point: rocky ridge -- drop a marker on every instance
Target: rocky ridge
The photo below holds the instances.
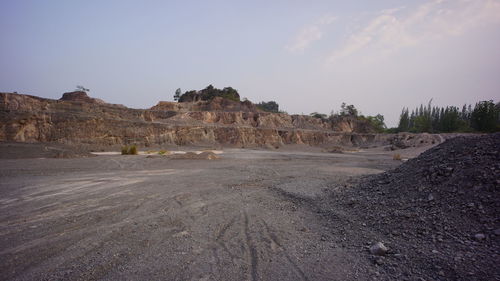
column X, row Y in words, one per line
column 79, row 119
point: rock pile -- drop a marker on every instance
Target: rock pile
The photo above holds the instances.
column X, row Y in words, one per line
column 439, row 214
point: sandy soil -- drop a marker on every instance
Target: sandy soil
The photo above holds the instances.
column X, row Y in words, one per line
column 114, row 217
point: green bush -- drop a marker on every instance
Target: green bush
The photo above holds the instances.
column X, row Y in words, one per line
column 208, row 94
column 129, row 150
column 124, row 150
column 270, row 106
column 132, row 150
column 318, row 115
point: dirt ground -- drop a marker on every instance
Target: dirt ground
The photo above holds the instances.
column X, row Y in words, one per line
column 114, row 217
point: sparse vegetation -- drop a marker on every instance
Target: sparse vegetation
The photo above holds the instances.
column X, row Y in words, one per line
column 318, row 115
column 348, row 110
column 129, row 150
column 208, row 94
column 164, row 152
column 270, row 106
column 81, row 88
column 377, row 121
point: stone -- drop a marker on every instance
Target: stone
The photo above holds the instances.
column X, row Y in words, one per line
column 378, row 249
column 479, row 236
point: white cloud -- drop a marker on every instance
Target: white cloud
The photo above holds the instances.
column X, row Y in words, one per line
column 309, row 34
column 435, row 19
column 329, row 19
column 304, row 38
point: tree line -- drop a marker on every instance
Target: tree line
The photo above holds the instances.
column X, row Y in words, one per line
column 483, row 117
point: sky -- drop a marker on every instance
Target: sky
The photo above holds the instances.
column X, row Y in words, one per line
column 308, row 56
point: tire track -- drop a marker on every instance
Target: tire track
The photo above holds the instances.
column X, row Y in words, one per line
column 275, row 240
column 252, row 251
column 222, row 233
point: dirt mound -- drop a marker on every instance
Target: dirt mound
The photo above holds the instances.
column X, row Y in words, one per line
column 439, row 214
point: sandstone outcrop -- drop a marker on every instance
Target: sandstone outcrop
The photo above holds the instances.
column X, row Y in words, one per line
column 216, row 104
column 79, row 119
column 80, row 96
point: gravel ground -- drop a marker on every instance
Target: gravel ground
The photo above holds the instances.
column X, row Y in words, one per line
column 438, row 214
column 250, row 215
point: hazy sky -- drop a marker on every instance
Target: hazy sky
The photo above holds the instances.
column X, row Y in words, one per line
column 306, row 55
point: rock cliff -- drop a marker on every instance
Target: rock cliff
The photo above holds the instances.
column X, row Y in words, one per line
column 79, row 119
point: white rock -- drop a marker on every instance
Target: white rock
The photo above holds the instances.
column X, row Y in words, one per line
column 378, row 249
column 479, row 236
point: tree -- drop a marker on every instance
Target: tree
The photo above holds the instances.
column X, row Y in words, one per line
column 348, row 110
column 485, row 116
column 377, row 122
column 230, row 94
column 318, row 115
column 178, row 94
column 404, row 121
column 81, row 88
column 270, row 106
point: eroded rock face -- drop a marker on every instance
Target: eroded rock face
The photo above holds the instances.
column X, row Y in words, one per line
column 217, row 104
column 80, row 96
column 78, row 118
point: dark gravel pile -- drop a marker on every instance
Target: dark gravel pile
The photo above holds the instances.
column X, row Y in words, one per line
column 438, row 214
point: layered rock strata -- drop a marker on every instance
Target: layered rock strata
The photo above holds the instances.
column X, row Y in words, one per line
column 79, row 119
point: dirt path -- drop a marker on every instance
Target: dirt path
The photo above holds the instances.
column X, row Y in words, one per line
column 135, row 218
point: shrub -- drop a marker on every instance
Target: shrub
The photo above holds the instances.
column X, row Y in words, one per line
column 124, row 150
column 129, row 150
column 270, row 106
column 318, row 115
column 132, row 150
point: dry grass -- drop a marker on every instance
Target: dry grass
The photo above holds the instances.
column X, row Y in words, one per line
column 164, row 152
